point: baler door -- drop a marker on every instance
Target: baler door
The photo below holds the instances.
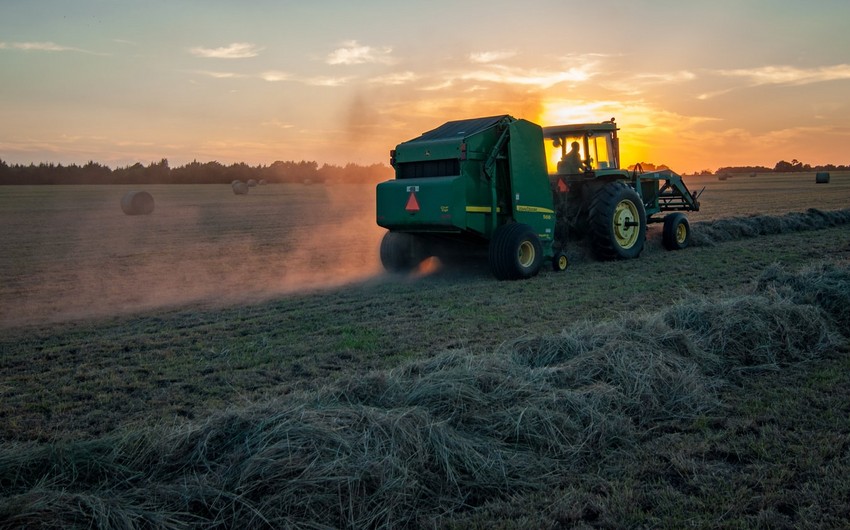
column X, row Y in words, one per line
column 531, row 193
column 433, row 204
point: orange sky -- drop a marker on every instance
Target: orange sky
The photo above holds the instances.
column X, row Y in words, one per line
column 694, row 85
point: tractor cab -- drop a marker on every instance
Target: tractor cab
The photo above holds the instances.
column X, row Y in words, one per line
column 582, row 150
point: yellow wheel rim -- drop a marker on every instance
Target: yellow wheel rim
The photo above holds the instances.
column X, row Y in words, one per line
column 681, row 233
column 526, row 254
column 626, row 224
column 562, row 263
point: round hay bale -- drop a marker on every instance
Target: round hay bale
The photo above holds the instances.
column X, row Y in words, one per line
column 822, row 177
column 137, row 203
column 722, row 177
column 239, row 188
column 262, row 182
column 252, row 183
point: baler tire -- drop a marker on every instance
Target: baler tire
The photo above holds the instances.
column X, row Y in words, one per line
column 611, row 208
column 676, row 234
column 515, row 252
column 400, row 252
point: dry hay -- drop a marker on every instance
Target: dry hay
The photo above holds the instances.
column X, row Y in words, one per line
column 405, row 447
column 239, row 188
column 137, row 203
column 252, row 183
column 825, row 286
column 822, row 177
column 707, row 233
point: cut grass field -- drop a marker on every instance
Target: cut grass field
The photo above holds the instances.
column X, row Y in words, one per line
column 698, row 388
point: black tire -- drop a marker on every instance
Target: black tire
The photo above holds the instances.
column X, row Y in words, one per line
column 617, row 222
column 677, row 232
column 515, row 252
column 400, row 252
column 560, row 262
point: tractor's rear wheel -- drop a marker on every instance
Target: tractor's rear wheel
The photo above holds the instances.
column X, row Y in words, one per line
column 676, row 234
column 401, row 252
column 515, row 252
column 617, row 222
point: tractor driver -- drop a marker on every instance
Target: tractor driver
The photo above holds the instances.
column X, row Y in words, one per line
column 571, row 162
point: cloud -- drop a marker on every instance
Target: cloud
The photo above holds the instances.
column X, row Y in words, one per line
column 42, row 47
column 790, row 75
column 667, row 77
column 236, row 50
column 521, row 76
column 353, row 52
column 277, row 123
column 326, row 81
column 275, row 75
column 490, row 57
column 399, row 78
column 220, row 75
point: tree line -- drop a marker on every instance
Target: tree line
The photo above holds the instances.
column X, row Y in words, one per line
column 283, row 172
column 783, row 166
column 192, row 173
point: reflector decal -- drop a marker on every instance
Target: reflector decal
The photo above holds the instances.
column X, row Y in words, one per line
column 533, row 209
column 412, row 203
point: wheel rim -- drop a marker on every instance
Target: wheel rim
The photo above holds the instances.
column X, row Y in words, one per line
column 626, row 224
column 526, row 254
column 562, row 262
column 681, row 233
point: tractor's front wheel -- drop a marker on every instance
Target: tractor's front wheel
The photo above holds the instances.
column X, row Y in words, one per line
column 400, row 252
column 676, row 234
column 515, row 252
column 617, row 222
column 560, row 262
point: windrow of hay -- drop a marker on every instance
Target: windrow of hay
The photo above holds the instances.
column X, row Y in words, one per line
column 707, row 233
column 404, row 448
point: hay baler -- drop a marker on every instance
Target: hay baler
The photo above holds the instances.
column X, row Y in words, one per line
column 510, row 187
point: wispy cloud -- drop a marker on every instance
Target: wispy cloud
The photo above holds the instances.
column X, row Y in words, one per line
column 327, row 81
column 399, row 78
column 490, row 57
column 43, row 47
column 790, row 75
column 220, row 75
column 667, row 77
column 275, row 75
column 780, row 75
column 236, row 50
column 277, row 124
column 352, row 52
column 532, row 77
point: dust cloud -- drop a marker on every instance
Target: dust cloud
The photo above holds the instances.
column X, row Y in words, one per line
column 79, row 256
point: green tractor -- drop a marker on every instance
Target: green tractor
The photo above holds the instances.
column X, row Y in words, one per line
column 518, row 192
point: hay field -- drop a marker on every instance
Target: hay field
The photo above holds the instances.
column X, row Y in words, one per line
column 767, row 193
column 69, row 251
column 700, row 388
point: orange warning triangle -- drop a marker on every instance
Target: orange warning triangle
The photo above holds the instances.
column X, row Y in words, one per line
column 562, row 186
column 412, row 203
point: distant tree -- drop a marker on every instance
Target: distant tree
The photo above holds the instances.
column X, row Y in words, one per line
column 793, row 166
column 158, row 173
